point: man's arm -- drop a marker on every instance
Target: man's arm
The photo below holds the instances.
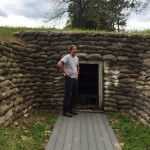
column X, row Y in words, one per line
column 61, row 64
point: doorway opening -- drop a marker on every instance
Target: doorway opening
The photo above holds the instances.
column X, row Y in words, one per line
column 89, row 89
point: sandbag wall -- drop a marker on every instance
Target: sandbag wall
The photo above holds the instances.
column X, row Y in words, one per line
column 126, row 61
column 28, row 80
column 15, row 96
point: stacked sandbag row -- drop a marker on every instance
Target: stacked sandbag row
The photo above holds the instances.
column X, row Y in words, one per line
column 117, row 73
column 119, row 60
column 39, row 83
column 132, row 84
column 141, row 92
column 49, row 90
column 15, row 96
column 28, row 79
column 119, row 52
column 42, row 64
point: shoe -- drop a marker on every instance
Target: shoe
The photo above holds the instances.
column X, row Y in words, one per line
column 73, row 113
column 67, row 114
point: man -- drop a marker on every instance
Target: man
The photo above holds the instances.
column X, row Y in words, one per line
column 70, row 66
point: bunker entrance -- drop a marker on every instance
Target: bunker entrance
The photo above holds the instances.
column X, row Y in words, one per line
column 89, row 91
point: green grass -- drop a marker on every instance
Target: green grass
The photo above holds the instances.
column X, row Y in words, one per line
column 6, row 31
column 3, row 138
column 131, row 134
column 31, row 134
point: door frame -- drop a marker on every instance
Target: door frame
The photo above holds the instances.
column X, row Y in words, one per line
column 100, row 79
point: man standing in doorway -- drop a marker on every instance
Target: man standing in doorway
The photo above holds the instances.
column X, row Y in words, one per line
column 70, row 66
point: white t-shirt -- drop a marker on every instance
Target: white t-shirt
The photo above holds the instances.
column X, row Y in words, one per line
column 71, row 64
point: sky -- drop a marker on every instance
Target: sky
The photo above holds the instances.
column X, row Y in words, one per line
column 31, row 13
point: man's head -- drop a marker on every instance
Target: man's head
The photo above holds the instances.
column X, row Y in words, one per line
column 73, row 50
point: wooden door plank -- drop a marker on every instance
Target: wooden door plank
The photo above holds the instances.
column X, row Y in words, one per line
column 54, row 135
column 90, row 133
column 84, row 141
column 76, row 133
column 62, row 134
column 111, row 133
column 69, row 135
column 105, row 136
column 98, row 135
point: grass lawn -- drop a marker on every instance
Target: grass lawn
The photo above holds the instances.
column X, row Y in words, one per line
column 32, row 133
column 131, row 134
column 6, row 31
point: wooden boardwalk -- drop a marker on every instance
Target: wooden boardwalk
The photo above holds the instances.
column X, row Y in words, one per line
column 85, row 131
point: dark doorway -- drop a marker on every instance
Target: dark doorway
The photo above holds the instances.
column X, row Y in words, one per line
column 88, row 85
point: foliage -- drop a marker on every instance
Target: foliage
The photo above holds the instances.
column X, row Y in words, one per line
column 138, row 5
column 131, row 134
column 98, row 14
column 108, row 15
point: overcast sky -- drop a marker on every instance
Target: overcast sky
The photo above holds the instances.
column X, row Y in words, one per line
column 30, row 13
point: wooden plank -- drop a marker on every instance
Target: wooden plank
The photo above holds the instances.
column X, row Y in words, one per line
column 62, row 134
column 76, row 133
column 90, row 133
column 100, row 83
column 84, row 141
column 86, row 131
column 98, row 136
column 105, row 136
column 54, row 135
column 111, row 133
column 69, row 134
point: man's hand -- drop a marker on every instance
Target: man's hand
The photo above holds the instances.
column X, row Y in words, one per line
column 76, row 77
column 68, row 74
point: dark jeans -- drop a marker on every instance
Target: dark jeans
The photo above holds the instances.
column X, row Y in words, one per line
column 71, row 94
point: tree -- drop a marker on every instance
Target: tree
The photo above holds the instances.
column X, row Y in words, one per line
column 97, row 14
column 60, row 7
column 138, row 5
column 119, row 14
